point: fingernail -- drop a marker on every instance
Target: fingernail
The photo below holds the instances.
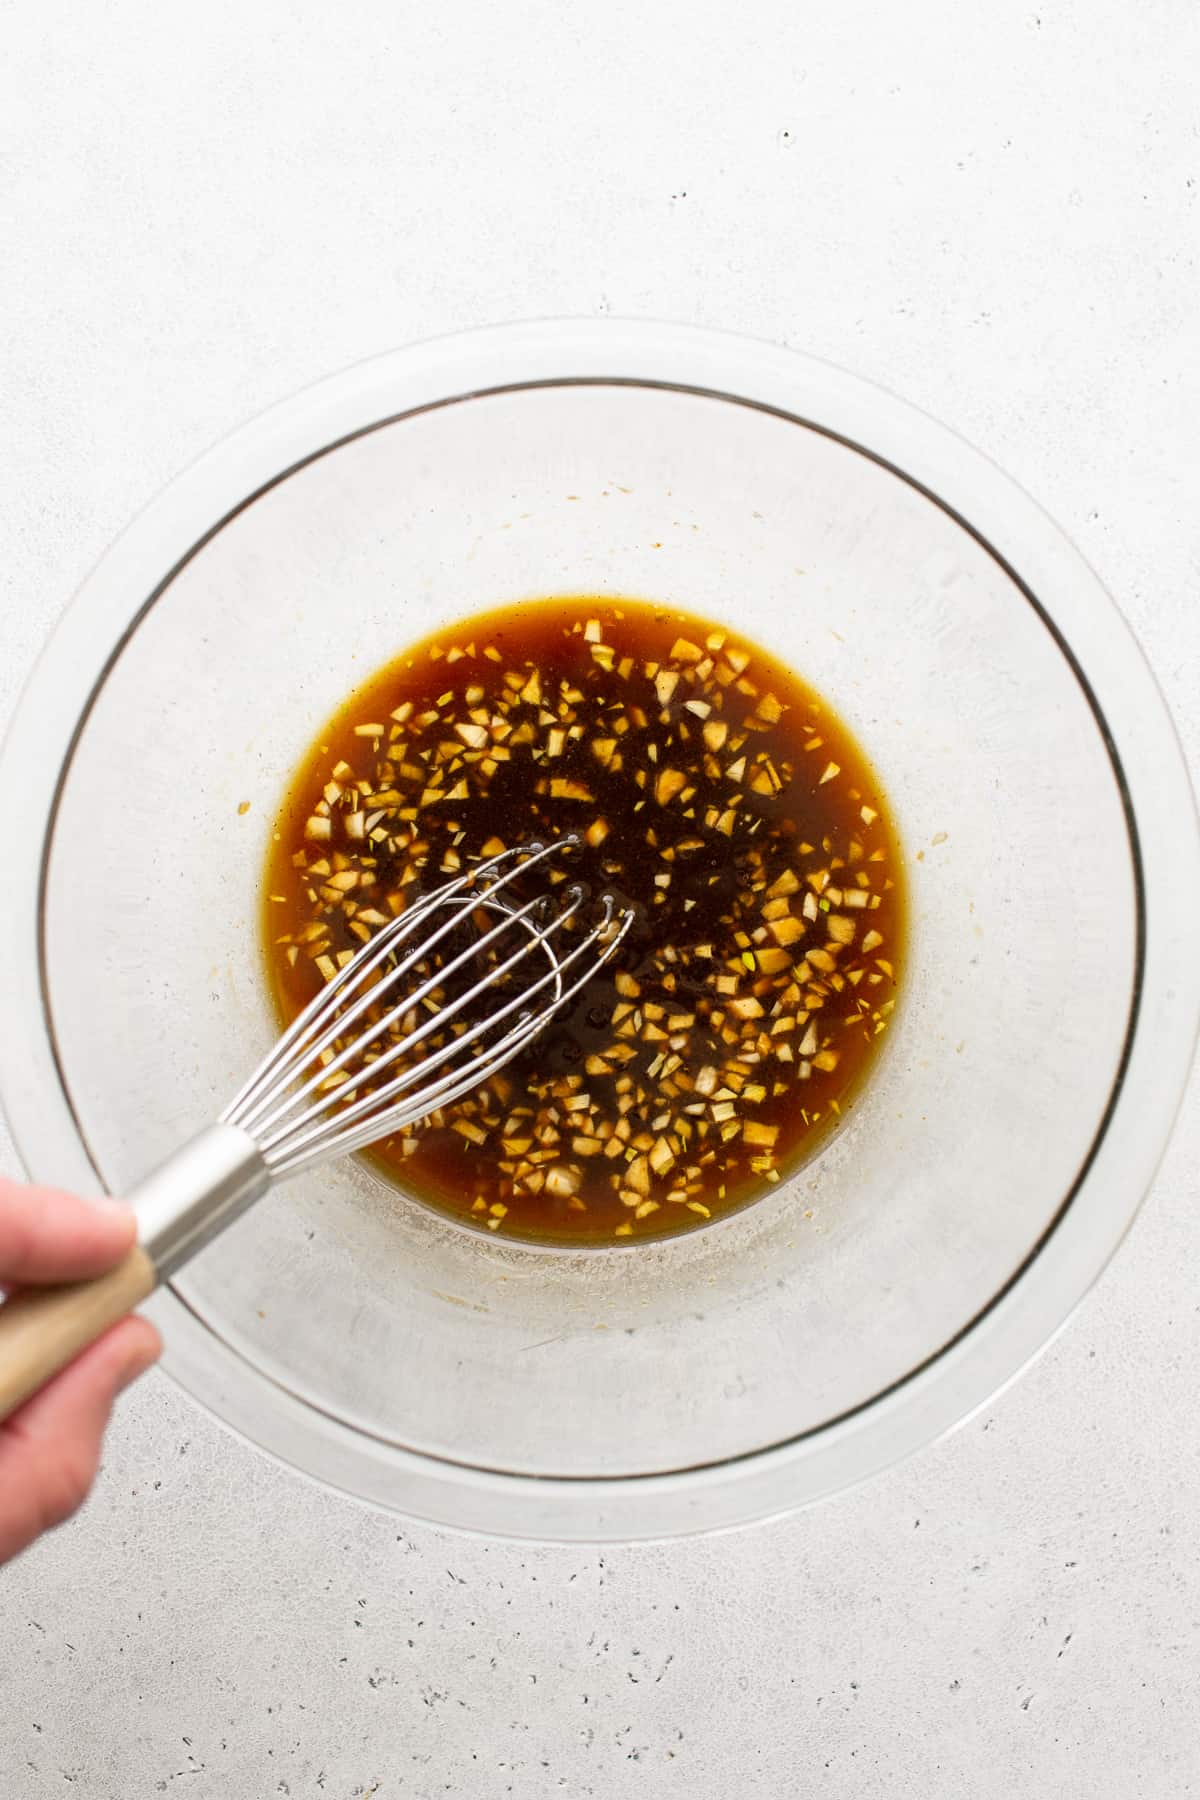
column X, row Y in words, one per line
column 137, row 1365
column 107, row 1207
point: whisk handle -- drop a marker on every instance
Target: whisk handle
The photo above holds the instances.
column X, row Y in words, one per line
column 197, row 1192
column 180, row 1206
column 43, row 1328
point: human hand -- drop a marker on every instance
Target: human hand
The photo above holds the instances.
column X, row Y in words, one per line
column 50, row 1447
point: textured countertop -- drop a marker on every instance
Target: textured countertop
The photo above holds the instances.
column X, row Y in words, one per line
column 992, row 210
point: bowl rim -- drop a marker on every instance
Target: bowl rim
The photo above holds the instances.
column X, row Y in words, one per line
column 1130, row 712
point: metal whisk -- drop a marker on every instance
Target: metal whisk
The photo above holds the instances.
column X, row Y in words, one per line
column 436, row 1002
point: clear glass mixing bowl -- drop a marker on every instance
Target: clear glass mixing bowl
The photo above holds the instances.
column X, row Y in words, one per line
column 1051, row 987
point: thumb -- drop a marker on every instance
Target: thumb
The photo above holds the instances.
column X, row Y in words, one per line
column 46, row 1235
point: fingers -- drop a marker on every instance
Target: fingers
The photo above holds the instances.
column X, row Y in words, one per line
column 50, row 1447
column 50, row 1236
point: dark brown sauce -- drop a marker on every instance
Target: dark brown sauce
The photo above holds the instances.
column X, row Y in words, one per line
column 716, row 793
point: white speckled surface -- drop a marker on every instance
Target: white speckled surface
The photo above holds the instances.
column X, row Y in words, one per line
column 992, row 210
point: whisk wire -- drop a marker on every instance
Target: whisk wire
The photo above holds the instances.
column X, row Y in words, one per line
column 321, row 1020
column 299, row 1155
column 341, row 1023
column 295, row 1105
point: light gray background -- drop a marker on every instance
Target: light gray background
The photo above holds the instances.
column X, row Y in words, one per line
column 991, row 209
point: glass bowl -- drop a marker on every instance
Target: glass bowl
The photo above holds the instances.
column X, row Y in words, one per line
column 1050, row 996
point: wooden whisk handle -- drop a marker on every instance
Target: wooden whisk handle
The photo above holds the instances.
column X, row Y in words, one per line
column 43, row 1328
column 180, row 1205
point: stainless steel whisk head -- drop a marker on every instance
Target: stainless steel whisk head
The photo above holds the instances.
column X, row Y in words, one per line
column 391, row 1008
column 439, row 999
column 403, row 1028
